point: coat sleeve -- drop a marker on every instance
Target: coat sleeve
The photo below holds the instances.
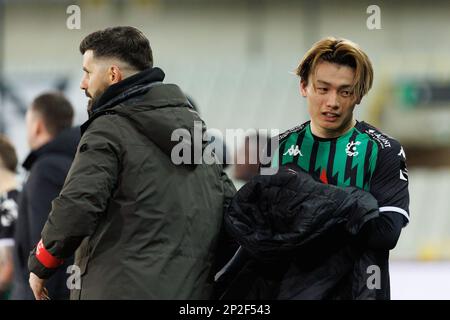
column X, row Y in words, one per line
column 83, row 199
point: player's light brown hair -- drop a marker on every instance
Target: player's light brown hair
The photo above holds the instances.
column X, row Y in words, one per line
column 342, row 52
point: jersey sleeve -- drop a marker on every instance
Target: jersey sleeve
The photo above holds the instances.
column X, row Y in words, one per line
column 389, row 183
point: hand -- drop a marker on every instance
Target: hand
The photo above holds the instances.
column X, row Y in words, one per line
column 37, row 285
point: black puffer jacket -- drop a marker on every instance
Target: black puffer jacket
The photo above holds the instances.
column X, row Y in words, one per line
column 298, row 240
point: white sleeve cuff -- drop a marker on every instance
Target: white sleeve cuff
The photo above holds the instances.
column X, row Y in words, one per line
column 396, row 209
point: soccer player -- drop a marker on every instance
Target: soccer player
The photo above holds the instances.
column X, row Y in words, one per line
column 334, row 147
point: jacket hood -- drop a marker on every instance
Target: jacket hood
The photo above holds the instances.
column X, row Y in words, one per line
column 156, row 109
column 162, row 112
column 64, row 143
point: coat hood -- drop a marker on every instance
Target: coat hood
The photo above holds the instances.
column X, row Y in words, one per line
column 156, row 110
column 162, row 114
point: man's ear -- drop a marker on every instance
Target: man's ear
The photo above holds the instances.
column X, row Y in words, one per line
column 39, row 126
column 114, row 74
column 303, row 86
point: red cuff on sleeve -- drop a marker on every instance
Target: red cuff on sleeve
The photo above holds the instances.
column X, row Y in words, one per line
column 46, row 258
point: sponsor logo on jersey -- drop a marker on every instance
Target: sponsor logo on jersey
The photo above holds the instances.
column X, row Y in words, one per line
column 293, row 151
column 350, row 150
column 295, row 129
column 402, row 153
column 404, row 174
column 403, row 169
column 379, row 137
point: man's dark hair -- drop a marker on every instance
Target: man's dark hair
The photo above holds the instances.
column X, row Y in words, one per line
column 56, row 111
column 125, row 43
column 8, row 156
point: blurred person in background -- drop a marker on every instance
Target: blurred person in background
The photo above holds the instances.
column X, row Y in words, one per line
column 142, row 226
column 8, row 213
column 337, row 150
column 53, row 143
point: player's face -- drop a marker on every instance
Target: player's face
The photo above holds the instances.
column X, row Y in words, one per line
column 330, row 99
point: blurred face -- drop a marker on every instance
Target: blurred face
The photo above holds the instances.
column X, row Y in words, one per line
column 95, row 78
column 330, row 99
column 31, row 121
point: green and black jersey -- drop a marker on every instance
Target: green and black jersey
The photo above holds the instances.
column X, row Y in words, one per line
column 363, row 157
